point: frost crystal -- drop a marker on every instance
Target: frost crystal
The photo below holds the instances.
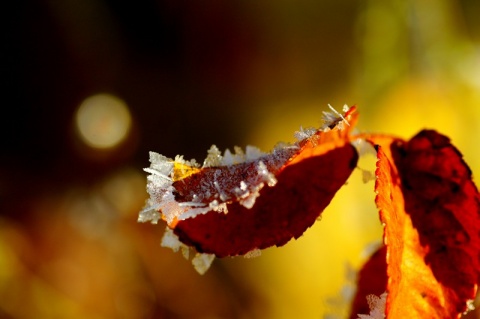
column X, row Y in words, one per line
column 214, row 157
column 253, row 153
column 201, row 262
column 331, row 120
column 470, row 306
column 305, row 133
column 253, row 253
column 266, row 175
column 377, row 307
column 170, row 240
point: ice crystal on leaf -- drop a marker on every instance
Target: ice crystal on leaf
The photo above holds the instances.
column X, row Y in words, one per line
column 305, row 133
column 335, row 119
column 202, row 262
column 377, row 307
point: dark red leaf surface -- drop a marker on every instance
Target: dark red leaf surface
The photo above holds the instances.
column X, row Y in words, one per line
column 431, row 211
column 236, row 204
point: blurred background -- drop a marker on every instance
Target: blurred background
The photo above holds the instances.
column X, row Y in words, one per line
column 89, row 87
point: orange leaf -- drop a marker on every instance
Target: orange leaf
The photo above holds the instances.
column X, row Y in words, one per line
column 431, row 211
column 237, row 203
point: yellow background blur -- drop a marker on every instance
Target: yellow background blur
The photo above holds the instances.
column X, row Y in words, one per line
column 91, row 86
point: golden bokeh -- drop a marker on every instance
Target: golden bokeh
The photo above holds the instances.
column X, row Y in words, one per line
column 103, row 121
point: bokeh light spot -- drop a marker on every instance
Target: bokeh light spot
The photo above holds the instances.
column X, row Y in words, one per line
column 103, row 121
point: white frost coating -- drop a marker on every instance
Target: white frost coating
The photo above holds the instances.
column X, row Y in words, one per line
column 267, row 176
column 249, row 200
column 201, row 262
column 192, row 212
column 166, row 178
column 218, row 207
column 377, row 307
column 243, row 186
column 159, row 182
column 161, row 164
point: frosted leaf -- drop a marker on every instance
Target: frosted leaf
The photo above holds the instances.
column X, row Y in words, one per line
column 377, row 307
column 201, row 262
column 253, row 253
column 181, row 189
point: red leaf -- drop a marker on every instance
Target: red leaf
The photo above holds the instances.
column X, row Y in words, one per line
column 225, row 207
column 431, row 210
column 372, row 280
